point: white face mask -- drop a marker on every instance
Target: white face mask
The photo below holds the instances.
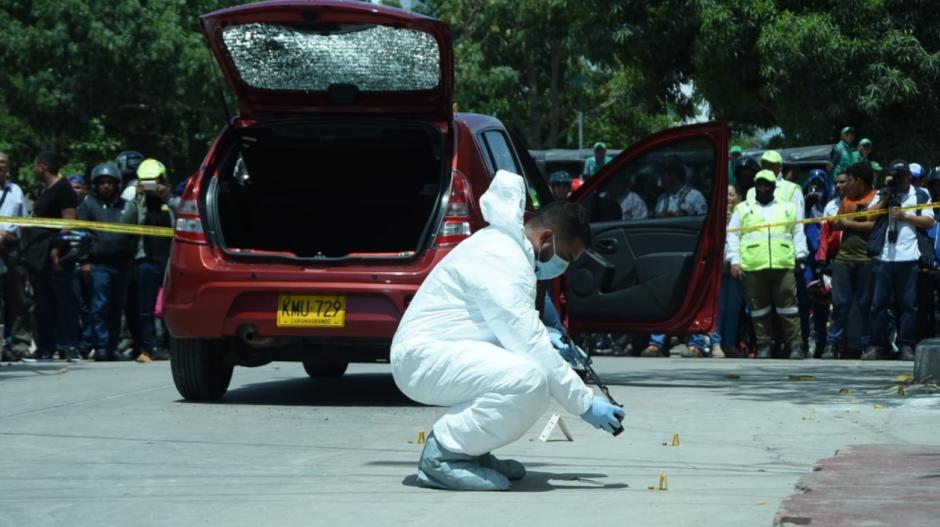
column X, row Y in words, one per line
column 553, row 268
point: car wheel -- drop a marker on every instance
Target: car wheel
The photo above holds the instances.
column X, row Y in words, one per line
column 200, row 369
column 325, row 370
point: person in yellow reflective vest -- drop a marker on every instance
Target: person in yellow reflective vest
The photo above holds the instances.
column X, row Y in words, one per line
column 765, row 259
column 785, row 190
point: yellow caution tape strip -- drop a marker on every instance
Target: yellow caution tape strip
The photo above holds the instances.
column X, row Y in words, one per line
column 846, row 216
column 118, row 228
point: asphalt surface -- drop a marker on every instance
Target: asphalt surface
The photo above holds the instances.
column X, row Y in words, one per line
column 113, row 444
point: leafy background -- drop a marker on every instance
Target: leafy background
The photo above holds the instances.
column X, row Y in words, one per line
column 88, row 78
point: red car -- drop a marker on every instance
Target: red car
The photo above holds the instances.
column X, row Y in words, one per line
column 346, row 177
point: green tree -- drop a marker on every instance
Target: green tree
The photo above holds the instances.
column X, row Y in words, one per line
column 517, row 59
column 87, row 78
column 813, row 67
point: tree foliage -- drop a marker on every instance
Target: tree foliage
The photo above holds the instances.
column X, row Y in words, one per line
column 535, row 63
column 813, row 67
column 88, row 78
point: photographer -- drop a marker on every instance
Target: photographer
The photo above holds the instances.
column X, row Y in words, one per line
column 894, row 247
column 152, row 253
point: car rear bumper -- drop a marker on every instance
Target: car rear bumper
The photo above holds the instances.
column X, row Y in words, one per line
column 206, row 296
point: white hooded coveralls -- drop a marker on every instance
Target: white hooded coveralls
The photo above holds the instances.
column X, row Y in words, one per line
column 472, row 339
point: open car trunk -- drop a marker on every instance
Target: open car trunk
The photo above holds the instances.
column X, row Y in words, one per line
column 332, row 189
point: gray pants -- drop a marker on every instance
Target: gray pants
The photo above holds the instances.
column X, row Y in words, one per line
column 767, row 292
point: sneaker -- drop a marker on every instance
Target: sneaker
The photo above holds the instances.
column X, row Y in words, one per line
column 72, row 355
column 906, row 353
column 717, row 352
column 871, row 353
column 763, row 352
column 144, row 358
column 652, row 351
column 691, row 352
column 829, row 352
column 38, row 358
column 796, row 352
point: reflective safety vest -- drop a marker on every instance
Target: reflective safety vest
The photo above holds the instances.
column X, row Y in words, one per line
column 783, row 192
column 771, row 247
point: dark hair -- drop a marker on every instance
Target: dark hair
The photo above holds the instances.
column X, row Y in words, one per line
column 675, row 167
column 569, row 220
column 52, row 161
column 861, row 170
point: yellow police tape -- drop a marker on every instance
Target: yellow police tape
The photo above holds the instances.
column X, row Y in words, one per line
column 823, row 219
column 167, row 232
column 118, row 228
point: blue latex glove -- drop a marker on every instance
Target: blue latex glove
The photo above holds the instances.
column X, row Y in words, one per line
column 604, row 415
column 565, row 347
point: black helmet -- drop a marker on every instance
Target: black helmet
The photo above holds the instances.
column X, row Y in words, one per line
column 75, row 245
column 934, row 174
column 559, row 177
column 105, row 170
column 744, row 162
column 128, row 161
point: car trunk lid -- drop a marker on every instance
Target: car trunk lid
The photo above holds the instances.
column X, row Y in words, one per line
column 290, row 58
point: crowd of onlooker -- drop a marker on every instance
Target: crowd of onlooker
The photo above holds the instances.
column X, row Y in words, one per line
column 861, row 285
column 70, row 293
column 860, row 281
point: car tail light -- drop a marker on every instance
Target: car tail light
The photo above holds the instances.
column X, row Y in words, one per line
column 456, row 225
column 188, row 221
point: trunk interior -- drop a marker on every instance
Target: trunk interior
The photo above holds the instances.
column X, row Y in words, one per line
column 331, row 189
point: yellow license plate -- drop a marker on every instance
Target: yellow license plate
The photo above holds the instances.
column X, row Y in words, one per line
column 311, row 311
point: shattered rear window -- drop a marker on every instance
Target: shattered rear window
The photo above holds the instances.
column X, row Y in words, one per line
column 374, row 58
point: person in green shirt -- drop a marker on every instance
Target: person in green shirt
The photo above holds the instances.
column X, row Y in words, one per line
column 864, row 149
column 733, row 155
column 595, row 162
column 844, row 152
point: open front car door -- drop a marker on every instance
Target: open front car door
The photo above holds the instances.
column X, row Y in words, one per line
column 658, row 213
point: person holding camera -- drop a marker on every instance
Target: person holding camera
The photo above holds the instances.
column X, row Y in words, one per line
column 152, row 252
column 897, row 244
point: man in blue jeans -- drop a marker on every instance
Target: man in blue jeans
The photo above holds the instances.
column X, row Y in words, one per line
column 894, row 247
column 152, row 253
column 109, row 269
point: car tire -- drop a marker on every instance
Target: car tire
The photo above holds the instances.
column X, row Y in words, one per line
column 325, row 370
column 200, row 369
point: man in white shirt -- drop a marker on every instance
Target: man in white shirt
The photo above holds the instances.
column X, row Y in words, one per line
column 12, row 279
column 633, row 206
column 894, row 243
column 679, row 199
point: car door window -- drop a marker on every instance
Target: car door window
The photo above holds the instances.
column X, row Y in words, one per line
column 498, row 151
column 648, row 219
column 499, row 156
column 673, row 181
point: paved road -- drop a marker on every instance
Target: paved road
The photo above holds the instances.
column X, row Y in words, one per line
column 112, row 444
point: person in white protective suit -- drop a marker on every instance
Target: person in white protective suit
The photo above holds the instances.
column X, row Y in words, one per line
column 472, row 340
